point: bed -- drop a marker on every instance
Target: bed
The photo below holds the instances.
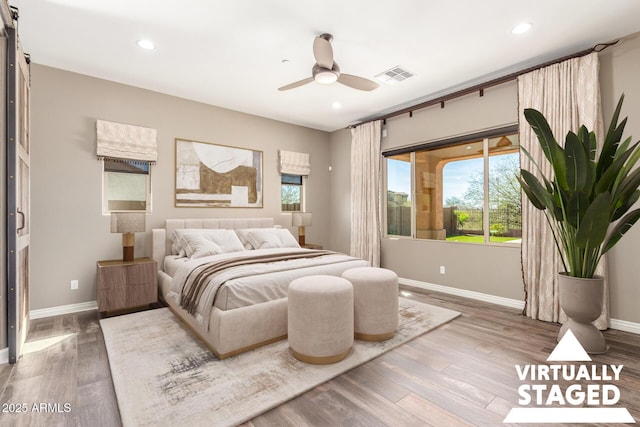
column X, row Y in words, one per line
column 233, row 293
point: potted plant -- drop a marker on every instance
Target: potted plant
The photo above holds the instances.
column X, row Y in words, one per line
column 587, row 204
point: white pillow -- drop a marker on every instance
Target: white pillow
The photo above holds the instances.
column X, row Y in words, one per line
column 243, row 235
column 225, row 240
column 198, row 245
column 287, row 239
column 266, row 238
column 260, row 238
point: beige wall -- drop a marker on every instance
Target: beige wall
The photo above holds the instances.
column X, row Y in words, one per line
column 69, row 233
column 340, row 190
column 496, row 270
column 491, row 269
column 619, row 73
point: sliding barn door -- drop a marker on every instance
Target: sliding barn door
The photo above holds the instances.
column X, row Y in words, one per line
column 18, row 196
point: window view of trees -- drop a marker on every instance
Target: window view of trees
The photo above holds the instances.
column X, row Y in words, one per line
column 456, row 197
column 505, row 222
column 291, row 193
column 399, row 195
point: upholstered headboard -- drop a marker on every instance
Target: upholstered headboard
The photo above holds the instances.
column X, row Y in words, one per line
column 162, row 238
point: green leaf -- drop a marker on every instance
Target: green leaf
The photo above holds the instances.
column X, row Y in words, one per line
column 632, row 160
column 620, row 229
column 589, row 144
column 576, row 161
column 537, row 194
column 610, row 177
column 547, row 183
column 626, row 188
column 550, row 147
column 626, row 205
column 588, row 140
column 576, row 208
column 623, row 147
column 595, row 222
column 613, row 136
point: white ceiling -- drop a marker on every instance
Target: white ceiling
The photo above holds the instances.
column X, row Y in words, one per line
column 230, row 53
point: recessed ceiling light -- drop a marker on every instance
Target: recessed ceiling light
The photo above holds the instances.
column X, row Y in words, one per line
column 336, row 105
column 146, row 44
column 522, row 28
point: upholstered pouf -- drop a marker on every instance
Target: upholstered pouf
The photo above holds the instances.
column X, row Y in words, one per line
column 375, row 294
column 320, row 318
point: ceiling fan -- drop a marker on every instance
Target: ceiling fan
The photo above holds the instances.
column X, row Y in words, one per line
column 326, row 71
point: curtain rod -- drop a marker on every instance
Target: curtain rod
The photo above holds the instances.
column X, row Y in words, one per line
column 482, row 86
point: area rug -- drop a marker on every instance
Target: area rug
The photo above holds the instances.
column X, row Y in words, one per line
column 164, row 376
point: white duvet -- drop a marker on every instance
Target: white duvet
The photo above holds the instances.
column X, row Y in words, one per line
column 256, row 283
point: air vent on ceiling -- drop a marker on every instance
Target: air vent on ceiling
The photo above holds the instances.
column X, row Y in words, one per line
column 394, row 75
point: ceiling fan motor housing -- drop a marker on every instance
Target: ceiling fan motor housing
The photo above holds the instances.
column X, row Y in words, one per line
column 324, row 75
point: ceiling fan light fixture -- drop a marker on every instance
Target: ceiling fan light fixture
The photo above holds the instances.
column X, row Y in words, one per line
column 325, row 77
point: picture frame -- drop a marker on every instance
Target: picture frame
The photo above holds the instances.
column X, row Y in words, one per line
column 211, row 175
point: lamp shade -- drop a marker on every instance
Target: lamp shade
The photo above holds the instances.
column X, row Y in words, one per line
column 301, row 219
column 128, row 222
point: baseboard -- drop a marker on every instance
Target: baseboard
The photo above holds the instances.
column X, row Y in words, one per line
column 507, row 302
column 621, row 325
column 63, row 309
column 4, row 356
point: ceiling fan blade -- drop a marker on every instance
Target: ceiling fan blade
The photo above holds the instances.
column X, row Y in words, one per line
column 323, row 52
column 296, row 84
column 356, row 82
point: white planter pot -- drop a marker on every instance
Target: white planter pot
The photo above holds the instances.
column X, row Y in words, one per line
column 581, row 299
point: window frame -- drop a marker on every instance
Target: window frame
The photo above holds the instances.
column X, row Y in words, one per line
column 148, row 196
column 484, row 136
column 302, row 187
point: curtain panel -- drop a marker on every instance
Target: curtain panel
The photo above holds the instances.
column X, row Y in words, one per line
column 365, row 192
column 568, row 95
column 122, row 141
column 293, row 163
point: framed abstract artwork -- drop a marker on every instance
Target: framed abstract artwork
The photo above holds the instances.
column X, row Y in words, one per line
column 217, row 176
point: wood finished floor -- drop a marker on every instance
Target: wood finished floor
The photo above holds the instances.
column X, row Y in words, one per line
column 461, row 374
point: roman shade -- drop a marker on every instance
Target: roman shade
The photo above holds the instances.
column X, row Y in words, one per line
column 122, row 141
column 293, row 163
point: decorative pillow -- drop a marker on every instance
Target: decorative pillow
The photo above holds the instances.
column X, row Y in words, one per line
column 198, row 245
column 224, row 240
column 267, row 238
column 260, row 238
column 243, row 235
column 286, row 238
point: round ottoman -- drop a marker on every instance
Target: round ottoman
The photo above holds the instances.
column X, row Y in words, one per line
column 320, row 318
column 375, row 294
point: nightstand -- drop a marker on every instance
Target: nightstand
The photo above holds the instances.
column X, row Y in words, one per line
column 124, row 285
column 311, row 246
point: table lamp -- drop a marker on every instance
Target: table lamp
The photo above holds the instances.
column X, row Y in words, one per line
column 301, row 220
column 128, row 223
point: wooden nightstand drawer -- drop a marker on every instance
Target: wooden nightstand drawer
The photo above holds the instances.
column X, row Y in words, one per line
column 123, row 285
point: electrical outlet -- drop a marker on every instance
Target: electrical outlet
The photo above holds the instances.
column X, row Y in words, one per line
column 442, row 269
column 74, row 284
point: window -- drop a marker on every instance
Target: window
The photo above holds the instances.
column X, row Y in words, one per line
column 291, row 193
column 399, row 195
column 464, row 190
column 126, row 185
